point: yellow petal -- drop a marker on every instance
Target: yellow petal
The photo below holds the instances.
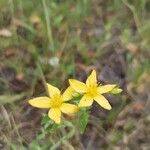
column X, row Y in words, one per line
column 106, row 88
column 78, row 86
column 91, row 80
column 102, row 101
column 68, row 93
column 40, row 102
column 85, row 101
column 52, row 90
column 55, row 115
column 69, row 108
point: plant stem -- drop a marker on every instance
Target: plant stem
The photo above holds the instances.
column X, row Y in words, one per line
column 48, row 25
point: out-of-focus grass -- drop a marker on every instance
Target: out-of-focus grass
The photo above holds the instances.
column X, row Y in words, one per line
column 66, row 38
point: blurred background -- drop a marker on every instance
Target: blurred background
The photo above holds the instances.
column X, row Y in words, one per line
column 53, row 40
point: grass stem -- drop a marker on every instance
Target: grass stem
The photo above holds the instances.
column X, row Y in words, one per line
column 48, row 25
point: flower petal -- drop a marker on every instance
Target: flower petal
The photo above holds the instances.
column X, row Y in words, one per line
column 102, row 101
column 85, row 101
column 106, row 88
column 55, row 115
column 52, row 90
column 40, row 102
column 68, row 93
column 78, row 86
column 91, row 80
column 69, row 108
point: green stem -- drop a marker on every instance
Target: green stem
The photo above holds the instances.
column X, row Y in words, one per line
column 66, row 137
column 136, row 18
column 48, row 25
column 42, row 76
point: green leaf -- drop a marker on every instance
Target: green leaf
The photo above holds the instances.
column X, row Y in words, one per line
column 57, row 20
column 4, row 99
column 49, row 125
column 83, row 120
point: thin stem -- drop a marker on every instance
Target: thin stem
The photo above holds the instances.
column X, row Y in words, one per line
column 11, row 3
column 136, row 19
column 48, row 25
column 65, row 137
column 42, row 76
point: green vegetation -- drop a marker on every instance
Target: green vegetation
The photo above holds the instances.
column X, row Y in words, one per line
column 53, row 40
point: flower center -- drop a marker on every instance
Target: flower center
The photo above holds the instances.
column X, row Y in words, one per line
column 56, row 101
column 92, row 90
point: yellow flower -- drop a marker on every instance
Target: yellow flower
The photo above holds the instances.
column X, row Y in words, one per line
column 56, row 101
column 92, row 91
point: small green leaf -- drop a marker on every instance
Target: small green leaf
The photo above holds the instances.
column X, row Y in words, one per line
column 58, row 20
column 48, row 124
column 83, row 119
column 4, row 99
